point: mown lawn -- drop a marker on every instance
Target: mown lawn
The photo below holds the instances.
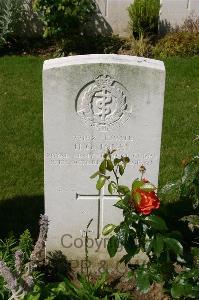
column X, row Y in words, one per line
column 21, row 136
column 181, row 116
column 21, row 145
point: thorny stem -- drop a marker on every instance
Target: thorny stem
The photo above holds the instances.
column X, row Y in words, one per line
column 116, row 177
column 117, row 181
column 86, row 249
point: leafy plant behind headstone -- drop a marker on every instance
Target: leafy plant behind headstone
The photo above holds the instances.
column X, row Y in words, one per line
column 144, row 16
column 18, row 23
column 10, row 17
column 64, row 20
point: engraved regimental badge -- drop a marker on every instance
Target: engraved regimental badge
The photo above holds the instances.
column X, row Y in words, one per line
column 102, row 104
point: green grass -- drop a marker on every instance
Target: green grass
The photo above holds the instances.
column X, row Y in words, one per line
column 21, row 148
column 21, row 137
column 21, row 143
column 181, row 116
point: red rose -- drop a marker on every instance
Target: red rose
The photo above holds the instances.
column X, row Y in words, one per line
column 147, row 203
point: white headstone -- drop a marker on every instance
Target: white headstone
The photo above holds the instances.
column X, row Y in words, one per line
column 92, row 103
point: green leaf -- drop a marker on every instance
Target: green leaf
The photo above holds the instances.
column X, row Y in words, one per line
column 101, row 281
column 156, row 223
column 122, row 234
column 32, row 295
column 113, row 245
column 121, row 204
column 177, row 291
column 126, row 258
column 100, row 183
column 117, row 297
column 102, row 167
column 60, row 287
column 108, row 229
column 148, row 187
column 142, row 281
column 136, row 197
column 175, row 235
column 94, row 175
column 195, row 251
column 130, row 245
column 174, row 245
column 127, row 197
column 190, row 170
column 193, row 221
column 189, row 183
column 158, row 244
column 112, row 187
column 182, row 290
column 126, row 159
column 136, row 184
column 134, row 217
column 114, row 150
column 123, row 189
column 70, row 286
column 110, row 165
column 121, row 170
column 117, row 161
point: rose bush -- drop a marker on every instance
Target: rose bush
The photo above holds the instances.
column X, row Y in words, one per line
column 141, row 230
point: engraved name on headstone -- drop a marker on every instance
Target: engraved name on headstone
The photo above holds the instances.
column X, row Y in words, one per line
column 92, row 103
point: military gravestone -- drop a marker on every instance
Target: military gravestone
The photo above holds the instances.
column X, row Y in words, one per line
column 92, row 103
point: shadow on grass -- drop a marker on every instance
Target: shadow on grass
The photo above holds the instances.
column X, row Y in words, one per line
column 20, row 213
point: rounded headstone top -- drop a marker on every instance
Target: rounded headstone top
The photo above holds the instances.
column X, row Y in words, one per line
column 103, row 58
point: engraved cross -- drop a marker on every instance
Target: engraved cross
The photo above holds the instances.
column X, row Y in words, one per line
column 101, row 197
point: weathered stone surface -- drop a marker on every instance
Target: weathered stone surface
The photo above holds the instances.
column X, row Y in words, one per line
column 116, row 15
column 92, row 103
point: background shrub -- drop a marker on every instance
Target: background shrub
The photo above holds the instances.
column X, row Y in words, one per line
column 144, row 16
column 93, row 44
column 18, row 23
column 177, row 44
column 191, row 24
column 11, row 12
column 65, row 20
column 137, row 47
